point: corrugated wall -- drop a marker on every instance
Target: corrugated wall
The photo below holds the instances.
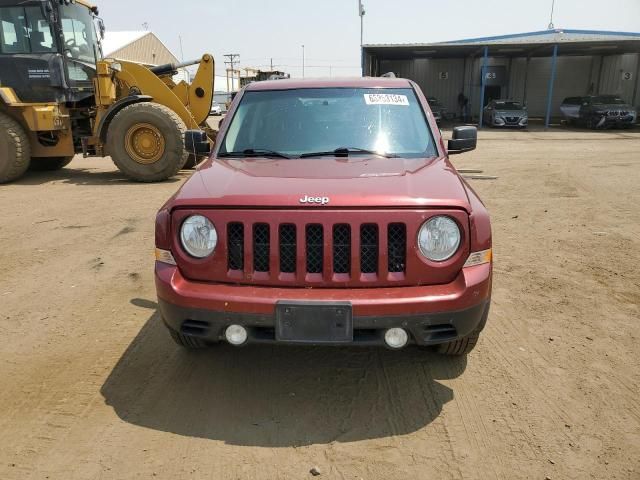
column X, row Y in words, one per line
column 576, row 75
column 614, row 71
column 148, row 49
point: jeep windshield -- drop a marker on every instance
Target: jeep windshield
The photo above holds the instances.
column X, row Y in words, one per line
column 320, row 122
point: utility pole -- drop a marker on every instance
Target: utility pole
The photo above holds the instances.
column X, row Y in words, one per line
column 181, row 50
column 303, row 61
column 551, row 26
column 361, row 12
column 272, row 64
column 233, row 59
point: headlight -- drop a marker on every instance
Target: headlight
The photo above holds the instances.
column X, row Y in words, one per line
column 439, row 238
column 198, row 236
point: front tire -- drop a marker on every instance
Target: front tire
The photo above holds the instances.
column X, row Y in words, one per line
column 146, row 142
column 48, row 164
column 15, row 150
column 464, row 345
column 185, row 341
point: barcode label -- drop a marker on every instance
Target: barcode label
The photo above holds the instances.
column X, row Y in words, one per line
column 385, row 99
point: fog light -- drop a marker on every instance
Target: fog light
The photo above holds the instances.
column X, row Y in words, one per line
column 236, row 334
column 396, row 337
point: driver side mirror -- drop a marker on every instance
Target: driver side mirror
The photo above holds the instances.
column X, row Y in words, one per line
column 464, row 139
column 197, row 142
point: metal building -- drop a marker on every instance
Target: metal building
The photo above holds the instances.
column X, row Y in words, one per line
column 142, row 47
column 539, row 69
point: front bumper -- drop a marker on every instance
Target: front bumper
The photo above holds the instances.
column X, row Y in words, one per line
column 605, row 121
column 515, row 122
column 431, row 314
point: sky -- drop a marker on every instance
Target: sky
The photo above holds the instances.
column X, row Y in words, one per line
column 265, row 30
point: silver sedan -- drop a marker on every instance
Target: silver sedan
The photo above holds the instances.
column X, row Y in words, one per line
column 505, row 113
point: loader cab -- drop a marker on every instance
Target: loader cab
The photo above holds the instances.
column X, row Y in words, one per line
column 48, row 49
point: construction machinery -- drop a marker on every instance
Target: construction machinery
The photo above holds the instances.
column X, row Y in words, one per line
column 60, row 97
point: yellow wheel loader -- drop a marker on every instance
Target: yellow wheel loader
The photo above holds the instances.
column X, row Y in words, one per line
column 59, row 97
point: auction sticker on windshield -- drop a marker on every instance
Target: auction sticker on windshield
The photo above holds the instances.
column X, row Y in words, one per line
column 385, row 99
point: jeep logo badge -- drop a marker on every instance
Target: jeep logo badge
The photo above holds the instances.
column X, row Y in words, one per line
column 314, row 200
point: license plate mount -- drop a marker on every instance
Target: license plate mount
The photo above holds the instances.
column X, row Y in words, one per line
column 314, row 322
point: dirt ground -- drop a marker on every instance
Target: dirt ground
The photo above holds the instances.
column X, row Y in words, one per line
column 92, row 387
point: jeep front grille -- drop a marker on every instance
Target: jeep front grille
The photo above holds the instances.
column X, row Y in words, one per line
column 319, row 245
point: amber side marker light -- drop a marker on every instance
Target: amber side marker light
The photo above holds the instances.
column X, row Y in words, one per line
column 478, row 258
column 165, row 256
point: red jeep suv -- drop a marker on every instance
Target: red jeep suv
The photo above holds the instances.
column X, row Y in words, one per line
column 328, row 213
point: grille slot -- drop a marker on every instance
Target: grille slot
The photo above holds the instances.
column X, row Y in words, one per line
column 261, row 247
column 235, row 240
column 397, row 247
column 341, row 248
column 369, row 248
column 315, row 241
column 287, row 237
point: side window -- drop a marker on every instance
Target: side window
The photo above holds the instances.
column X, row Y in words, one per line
column 40, row 37
column 14, row 31
column 40, row 32
column 24, row 30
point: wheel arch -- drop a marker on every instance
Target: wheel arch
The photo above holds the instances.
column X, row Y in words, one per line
column 105, row 121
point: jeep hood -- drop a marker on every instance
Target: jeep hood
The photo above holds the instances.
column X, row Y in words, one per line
column 356, row 181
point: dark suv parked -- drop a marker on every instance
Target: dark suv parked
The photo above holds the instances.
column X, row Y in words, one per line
column 599, row 111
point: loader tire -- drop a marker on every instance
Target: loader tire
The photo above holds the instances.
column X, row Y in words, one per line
column 49, row 164
column 146, row 142
column 15, row 150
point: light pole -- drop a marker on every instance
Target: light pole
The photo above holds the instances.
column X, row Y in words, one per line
column 302, row 61
column 361, row 13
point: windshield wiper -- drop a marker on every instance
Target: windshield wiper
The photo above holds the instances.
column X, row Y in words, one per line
column 254, row 152
column 345, row 151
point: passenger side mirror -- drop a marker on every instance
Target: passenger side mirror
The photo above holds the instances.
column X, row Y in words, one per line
column 464, row 139
column 197, row 142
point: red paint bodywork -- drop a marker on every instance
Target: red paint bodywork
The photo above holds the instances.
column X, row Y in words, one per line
column 362, row 189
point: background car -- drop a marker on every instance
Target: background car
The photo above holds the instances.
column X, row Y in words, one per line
column 505, row 113
column 439, row 112
column 570, row 108
column 216, row 109
column 599, row 111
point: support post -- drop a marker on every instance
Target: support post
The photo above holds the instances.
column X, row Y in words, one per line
column 552, row 79
column 526, row 78
column 483, row 80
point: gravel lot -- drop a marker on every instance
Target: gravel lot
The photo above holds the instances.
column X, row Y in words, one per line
column 93, row 387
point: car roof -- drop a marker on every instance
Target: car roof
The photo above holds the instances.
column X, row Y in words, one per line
column 351, row 82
